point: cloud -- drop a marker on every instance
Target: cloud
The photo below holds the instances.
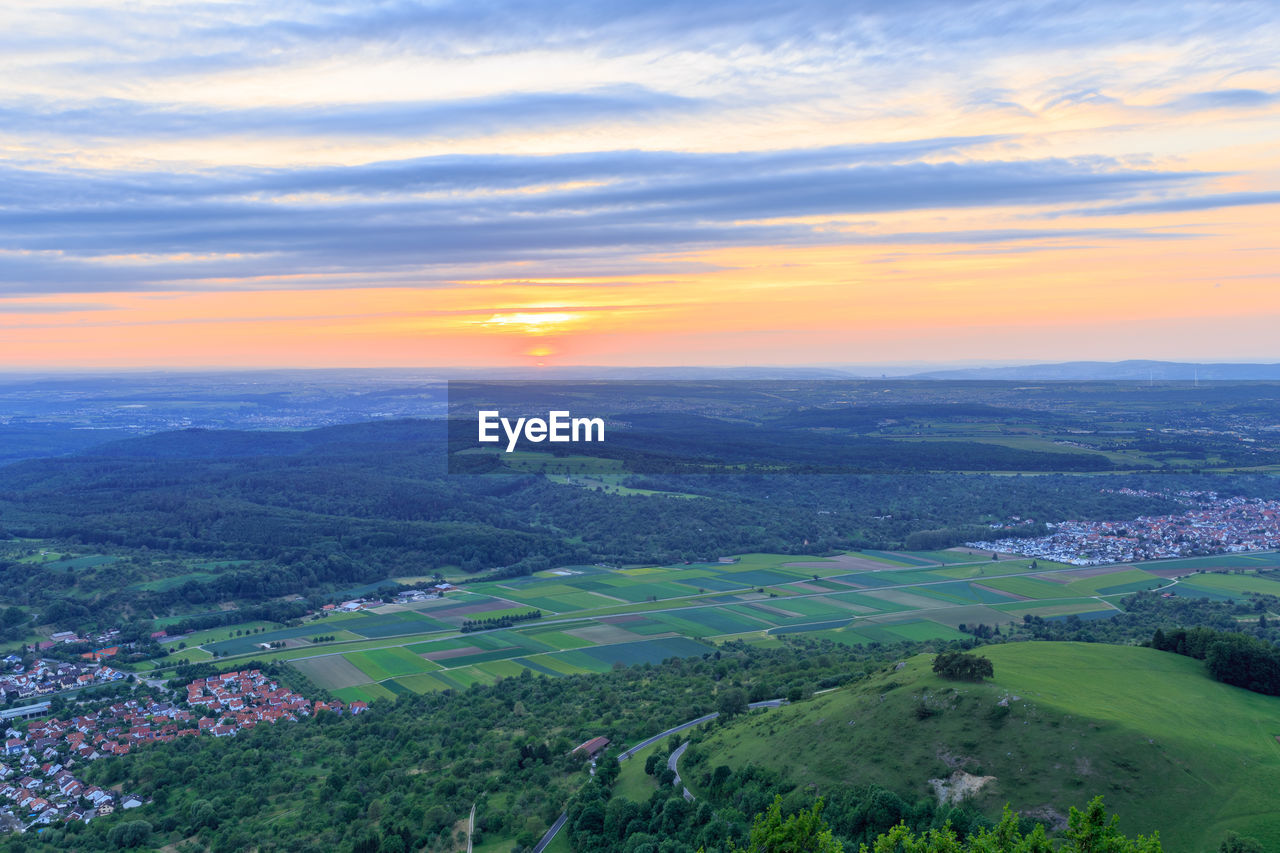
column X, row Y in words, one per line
column 789, row 37
column 395, row 219
column 136, row 120
column 471, row 27
column 7, row 307
column 1179, row 205
column 1222, row 99
column 35, row 186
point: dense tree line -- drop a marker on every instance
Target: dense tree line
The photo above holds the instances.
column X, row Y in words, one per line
column 1230, row 657
column 491, row 623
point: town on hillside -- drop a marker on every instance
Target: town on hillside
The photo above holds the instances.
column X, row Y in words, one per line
column 39, row 781
column 1213, row 525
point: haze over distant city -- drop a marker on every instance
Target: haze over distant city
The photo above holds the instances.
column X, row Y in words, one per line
column 486, row 183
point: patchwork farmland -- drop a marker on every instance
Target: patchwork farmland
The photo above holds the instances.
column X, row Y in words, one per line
column 595, row 618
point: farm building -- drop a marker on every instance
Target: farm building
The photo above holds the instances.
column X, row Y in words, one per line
column 593, row 747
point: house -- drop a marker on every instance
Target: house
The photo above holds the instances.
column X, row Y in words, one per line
column 593, row 747
column 131, row 801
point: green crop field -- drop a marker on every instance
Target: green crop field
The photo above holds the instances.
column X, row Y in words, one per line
column 199, row 638
column 1259, row 561
column 364, row 693
column 559, row 640
column 502, row 668
column 1125, row 580
column 381, row 664
column 921, row 629
column 427, row 683
column 1237, row 585
column 645, row 651
column 331, row 671
column 250, row 643
column 1056, row 608
column 1031, row 587
column 1105, row 719
column 392, row 624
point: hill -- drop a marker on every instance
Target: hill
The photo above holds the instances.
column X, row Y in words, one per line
column 1169, row 748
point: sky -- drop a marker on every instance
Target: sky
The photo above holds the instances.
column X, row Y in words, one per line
column 639, row 182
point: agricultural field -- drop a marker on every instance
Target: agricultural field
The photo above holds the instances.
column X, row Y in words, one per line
column 595, row 618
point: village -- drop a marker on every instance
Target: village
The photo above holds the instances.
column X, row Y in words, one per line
column 44, row 677
column 39, row 768
column 1215, row 525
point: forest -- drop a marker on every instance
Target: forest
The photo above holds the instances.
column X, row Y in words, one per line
column 267, row 515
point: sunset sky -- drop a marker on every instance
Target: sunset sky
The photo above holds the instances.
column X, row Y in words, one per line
column 643, row 182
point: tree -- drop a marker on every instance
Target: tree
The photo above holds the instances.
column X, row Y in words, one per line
column 608, row 769
column 1087, row 832
column 959, row 665
column 135, row 833
column 731, row 703
column 1233, row 843
column 804, row 832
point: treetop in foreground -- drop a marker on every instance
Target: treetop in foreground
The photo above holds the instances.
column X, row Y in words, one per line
column 1088, row 831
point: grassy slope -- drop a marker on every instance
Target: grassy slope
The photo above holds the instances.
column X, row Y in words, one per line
column 1166, row 746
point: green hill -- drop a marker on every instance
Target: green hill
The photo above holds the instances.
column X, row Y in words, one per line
column 1169, row 748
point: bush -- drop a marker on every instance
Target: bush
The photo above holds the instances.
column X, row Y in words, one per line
column 962, row 666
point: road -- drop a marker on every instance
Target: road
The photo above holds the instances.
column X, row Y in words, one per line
column 768, row 703
column 660, row 735
column 551, row 833
column 673, row 762
column 471, row 826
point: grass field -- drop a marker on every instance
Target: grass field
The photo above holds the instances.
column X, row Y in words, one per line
column 1103, row 719
column 633, row 783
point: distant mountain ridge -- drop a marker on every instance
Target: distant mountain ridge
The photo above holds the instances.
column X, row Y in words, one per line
column 1137, row 370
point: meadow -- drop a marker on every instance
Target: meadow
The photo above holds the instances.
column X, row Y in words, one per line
column 1101, row 718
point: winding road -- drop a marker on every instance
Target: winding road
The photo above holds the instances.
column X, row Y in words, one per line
column 671, row 761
